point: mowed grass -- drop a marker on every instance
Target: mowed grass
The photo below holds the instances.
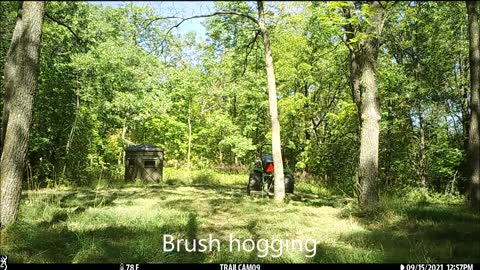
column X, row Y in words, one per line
column 127, row 224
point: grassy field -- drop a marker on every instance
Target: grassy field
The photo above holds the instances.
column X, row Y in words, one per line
column 127, row 224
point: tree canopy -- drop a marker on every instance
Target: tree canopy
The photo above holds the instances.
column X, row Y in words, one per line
column 113, row 76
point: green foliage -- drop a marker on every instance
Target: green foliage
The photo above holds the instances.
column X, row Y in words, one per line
column 123, row 78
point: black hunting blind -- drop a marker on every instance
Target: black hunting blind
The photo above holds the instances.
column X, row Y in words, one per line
column 144, row 162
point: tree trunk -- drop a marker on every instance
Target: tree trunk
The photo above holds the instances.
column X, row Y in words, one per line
column 121, row 159
column 307, row 129
column 474, row 136
column 279, row 192
column 389, row 150
column 234, row 106
column 355, row 74
column 72, row 132
column 189, row 139
column 370, row 129
column 422, row 164
column 464, row 105
column 21, row 78
column 363, row 62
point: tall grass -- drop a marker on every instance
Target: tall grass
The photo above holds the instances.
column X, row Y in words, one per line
column 127, row 223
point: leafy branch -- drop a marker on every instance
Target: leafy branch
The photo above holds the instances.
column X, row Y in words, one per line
column 184, row 19
column 64, row 25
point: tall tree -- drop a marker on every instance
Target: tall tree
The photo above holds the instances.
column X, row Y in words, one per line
column 364, row 44
column 279, row 192
column 22, row 68
column 474, row 136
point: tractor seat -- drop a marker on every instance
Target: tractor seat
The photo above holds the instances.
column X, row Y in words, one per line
column 267, row 159
column 267, row 162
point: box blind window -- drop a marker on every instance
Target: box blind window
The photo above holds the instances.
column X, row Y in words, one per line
column 149, row 163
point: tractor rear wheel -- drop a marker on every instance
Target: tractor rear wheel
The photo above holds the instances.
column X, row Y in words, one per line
column 254, row 182
column 289, row 184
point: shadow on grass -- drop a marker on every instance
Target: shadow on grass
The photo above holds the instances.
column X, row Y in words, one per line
column 399, row 233
column 326, row 253
column 78, row 198
column 418, row 233
column 30, row 242
column 317, row 200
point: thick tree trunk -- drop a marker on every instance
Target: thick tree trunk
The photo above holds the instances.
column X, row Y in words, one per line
column 363, row 62
column 21, row 77
column 474, row 136
column 370, row 129
column 279, row 192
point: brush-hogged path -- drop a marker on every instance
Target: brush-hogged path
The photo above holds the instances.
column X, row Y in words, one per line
column 111, row 225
